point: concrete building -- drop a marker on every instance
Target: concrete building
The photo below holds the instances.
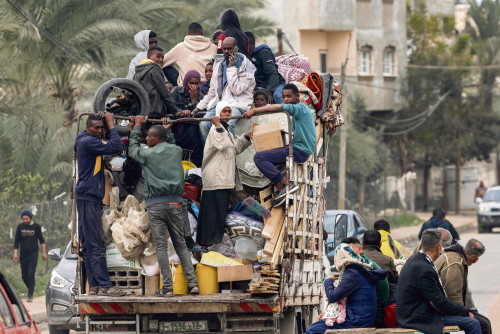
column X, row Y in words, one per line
column 370, row 34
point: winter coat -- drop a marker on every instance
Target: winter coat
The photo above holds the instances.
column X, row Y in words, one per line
column 142, row 42
column 230, row 26
column 358, row 285
column 238, row 90
column 150, row 77
column 192, row 54
column 219, row 160
column 266, row 75
column 89, row 153
column 453, row 269
column 421, row 302
column 435, row 223
column 161, row 167
column 386, row 248
column 385, row 262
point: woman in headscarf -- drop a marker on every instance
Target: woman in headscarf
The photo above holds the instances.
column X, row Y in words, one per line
column 357, row 284
column 187, row 134
column 219, row 176
column 230, row 25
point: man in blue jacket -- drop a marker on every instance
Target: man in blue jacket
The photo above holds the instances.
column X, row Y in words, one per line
column 439, row 220
column 90, row 148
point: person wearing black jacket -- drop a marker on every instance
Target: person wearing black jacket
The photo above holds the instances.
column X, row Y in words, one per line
column 421, row 301
column 230, row 25
column 266, row 75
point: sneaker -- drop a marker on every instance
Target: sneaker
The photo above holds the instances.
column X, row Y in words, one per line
column 194, row 290
column 198, row 248
column 111, row 292
column 164, row 293
column 30, row 299
column 282, row 194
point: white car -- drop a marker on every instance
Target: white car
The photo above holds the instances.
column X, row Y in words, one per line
column 488, row 210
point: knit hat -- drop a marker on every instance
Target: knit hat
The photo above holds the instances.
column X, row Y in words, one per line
column 221, row 105
column 27, row 213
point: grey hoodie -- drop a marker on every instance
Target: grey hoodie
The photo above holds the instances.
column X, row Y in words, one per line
column 142, row 42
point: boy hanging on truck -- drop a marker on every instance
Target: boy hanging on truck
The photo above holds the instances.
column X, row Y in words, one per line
column 304, row 141
column 163, row 187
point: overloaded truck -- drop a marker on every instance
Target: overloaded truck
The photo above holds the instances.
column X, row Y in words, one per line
column 282, row 293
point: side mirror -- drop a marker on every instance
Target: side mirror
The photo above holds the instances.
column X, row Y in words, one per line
column 479, row 200
column 361, row 230
column 55, row 254
column 341, row 221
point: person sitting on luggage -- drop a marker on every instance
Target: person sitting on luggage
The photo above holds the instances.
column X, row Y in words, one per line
column 260, row 98
column 304, row 141
column 357, row 285
column 219, row 176
column 187, row 134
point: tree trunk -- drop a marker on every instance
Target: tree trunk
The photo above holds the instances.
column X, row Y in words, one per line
column 444, row 201
column 361, row 194
column 458, row 166
column 425, row 186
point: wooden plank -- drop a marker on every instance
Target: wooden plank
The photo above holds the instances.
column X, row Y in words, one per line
column 151, row 284
column 447, row 329
column 278, row 251
column 266, row 197
column 272, row 225
column 351, row 331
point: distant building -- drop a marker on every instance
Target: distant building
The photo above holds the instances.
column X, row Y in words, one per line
column 433, row 7
column 321, row 29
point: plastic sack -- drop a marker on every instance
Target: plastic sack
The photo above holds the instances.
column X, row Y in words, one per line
column 114, row 258
column 214, row 259
column 149, row 265
column 117, row 164
column 246, row 248
column 109, row 217
column 225, row 247
column 240, row 225
column 172, row 255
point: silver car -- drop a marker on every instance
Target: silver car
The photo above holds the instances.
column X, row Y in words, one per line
column 488, row 210
column 61, row 315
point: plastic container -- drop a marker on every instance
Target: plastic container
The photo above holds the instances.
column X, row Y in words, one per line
column 180, row 281
column 207, row 279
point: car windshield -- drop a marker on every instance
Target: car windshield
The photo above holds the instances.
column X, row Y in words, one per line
column 329, row 223
column 68, row 255
column 491, row 196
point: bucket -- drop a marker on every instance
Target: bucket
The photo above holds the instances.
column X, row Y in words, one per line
column 180, row 281
column 207, row 279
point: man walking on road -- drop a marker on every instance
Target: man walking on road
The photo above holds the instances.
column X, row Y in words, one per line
column 90, row 148
column 28, row 234
column 439, row 220
column 453, row 267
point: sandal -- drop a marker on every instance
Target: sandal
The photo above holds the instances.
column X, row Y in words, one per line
column 112, row 291
column 194, row 290
column 164, row 293
column 93, row 290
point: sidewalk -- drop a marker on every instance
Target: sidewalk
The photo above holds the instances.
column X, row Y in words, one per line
column 409, row 234
column 36, row 308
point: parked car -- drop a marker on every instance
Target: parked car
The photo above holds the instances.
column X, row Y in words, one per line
column 341, row 224
column 14, row 318
column 488, row 210
column 61, row 314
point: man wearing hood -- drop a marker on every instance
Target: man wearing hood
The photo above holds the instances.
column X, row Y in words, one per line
column 453, row 267
column 232, row 81
column 144, row 40
column 230, row 25
column 266, row 75
column 439, row 220
column 389, row 246
column 194, row 53
column 90, row 147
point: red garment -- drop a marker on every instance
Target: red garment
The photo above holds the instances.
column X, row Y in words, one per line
column 390, row 316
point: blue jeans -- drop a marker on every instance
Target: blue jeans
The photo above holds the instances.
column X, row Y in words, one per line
column 468, row 325
column 205, row 126
column 266, row 161
column 278, row 94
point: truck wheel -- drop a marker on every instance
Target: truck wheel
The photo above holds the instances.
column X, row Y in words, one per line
column 53, row 329
column 140, row 95
column 483, row 229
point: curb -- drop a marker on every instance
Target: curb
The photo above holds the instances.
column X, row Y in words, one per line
column 39, row 316
column 413, row 239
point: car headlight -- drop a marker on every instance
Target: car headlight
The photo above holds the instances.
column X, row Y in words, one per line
column 483, row 208
column 58, row 281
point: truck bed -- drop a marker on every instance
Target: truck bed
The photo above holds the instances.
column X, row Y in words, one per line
column 206, row 303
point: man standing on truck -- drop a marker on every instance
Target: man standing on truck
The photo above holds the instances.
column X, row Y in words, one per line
column 28, row 234
column 90, row 147
column 163, row 187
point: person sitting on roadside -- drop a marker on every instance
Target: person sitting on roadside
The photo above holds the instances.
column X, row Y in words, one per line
column 421, row 299
column 372, row 240
column 453, row 267
column 162, row 193
column 192, row 54
column 149, row 75
column 205, row 86
column 357, row 284
column 232, row 81
column 304, row 141
column 266, row 75
column 187, row 134
column 260, row 98
column 390, row 246
column 446, row 239
column 219, row 176
column 439, row 220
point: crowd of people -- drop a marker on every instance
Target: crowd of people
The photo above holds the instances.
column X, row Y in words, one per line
column 381, row 284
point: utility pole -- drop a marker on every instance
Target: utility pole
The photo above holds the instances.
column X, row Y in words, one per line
column 279, row 34
column 343, row 136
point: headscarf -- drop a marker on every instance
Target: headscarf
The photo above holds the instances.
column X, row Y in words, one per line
column 345, row 255
column 221, row 105
column 190, row 75
column 27, row 213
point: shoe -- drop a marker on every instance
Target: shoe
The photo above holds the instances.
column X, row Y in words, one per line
column 198, row 248
column 93, row 290
column 194, row 290
column 111, row 292
column 164, row 293
column 30, row 299
column 282, row 194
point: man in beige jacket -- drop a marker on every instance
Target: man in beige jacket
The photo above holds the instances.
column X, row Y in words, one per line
column 193, row 54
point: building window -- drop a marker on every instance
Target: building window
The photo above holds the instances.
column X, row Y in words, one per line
column 365, row 60
column 389, row 63
column 323, row 56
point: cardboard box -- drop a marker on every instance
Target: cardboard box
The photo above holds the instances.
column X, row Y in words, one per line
column 235, row 273
column 267, row 136
column 245, row 261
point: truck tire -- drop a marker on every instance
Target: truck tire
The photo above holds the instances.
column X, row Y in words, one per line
column 483, row 229
column 53, row 329
column 133, row 87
